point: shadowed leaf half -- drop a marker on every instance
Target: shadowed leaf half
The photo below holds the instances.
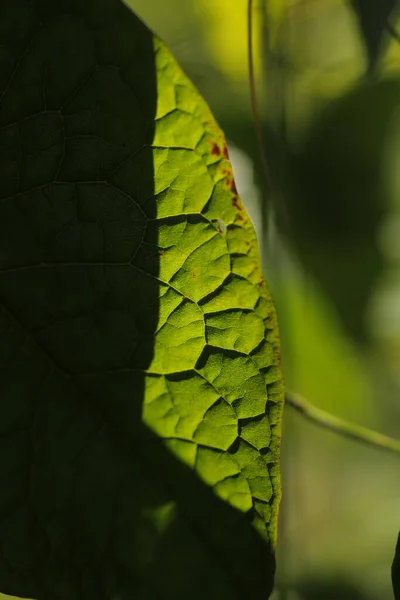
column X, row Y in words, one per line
column 140, row 389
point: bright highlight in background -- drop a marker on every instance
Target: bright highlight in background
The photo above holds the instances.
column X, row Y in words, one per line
column 226, row 25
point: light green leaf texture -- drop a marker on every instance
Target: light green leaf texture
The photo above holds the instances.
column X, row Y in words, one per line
column 140, row 388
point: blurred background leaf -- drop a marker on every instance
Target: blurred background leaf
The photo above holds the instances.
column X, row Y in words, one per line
column 339, row 197
column 373, row 17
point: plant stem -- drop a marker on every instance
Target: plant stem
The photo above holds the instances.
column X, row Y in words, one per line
column 253, row 94
column 336, row 424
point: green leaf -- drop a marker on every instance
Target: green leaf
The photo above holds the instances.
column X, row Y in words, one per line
column 140, row 389
column 373, row 16
column 396, row 571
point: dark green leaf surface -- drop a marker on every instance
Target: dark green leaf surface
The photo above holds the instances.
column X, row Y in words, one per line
column 140, row 386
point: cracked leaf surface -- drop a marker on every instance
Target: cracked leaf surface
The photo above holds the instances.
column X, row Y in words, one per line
column 140, row 388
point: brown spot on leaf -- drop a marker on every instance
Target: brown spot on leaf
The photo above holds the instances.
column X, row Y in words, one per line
column 216, row 150
column 235, row 203
column 233, row 187
column 225, row 151
column 239, row 217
